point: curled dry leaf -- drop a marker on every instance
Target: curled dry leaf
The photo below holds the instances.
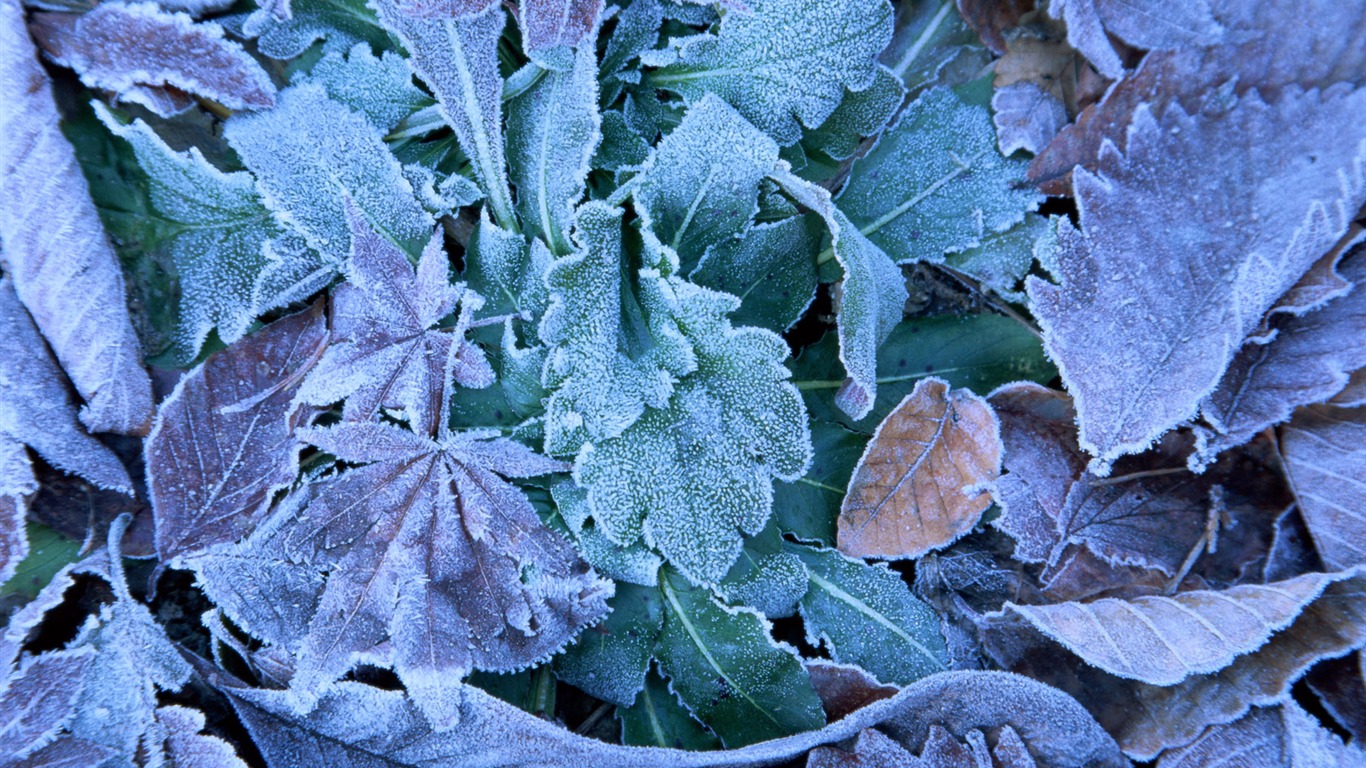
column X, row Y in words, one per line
column 1324, row 449
column 222, row 443
column 157, row 59
column 64, row 272
column 1284, row 736
column 920, row 483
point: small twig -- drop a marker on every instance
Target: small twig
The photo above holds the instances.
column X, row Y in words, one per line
column 995, row 303
column 593, row 718
column 1138, row 475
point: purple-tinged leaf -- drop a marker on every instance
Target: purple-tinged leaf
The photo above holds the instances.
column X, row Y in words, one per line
column 871, row 749
column 186, row 746
column 1308, row 360
column 1026, row 116
column 67, row 752
column 435, row 564
column 1154, row 25
column 551, row 28
column 157, row 59
column 1164, row 640
column 1324, row 450
column 1275, row 737
column 385, row 351
column 1340, row 686
column 1140, row 342
column 56, row 251
column 39, row 699
column 222, row 445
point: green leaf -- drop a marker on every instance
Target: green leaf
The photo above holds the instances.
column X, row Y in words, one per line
column 632, row 564
column 621, row 147
column 859, row 115
column 980, row 352
column 610, row 661
column 808, row 506
column 936, row 183
column 932, row 45
column 381, row 88
column 728, row 671
column 658, row 719
column 514, row 398
column 48, row 553
column 702, row 182
column 553, row 130
column 506, row 271
column 1003, row 259
column 228, row 252
column 765, row 577
column 786, row 61
column 310, row 154
column 867, row 616
column 770, row 267
column 340, row 23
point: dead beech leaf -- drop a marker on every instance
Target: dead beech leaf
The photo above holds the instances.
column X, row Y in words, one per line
column 148, row 56
column 64, row 270
column 1324, row 449
column 1275, row 737
column 920, row 483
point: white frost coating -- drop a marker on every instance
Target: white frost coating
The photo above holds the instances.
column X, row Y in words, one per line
column 310, row 154
column 783, row 65
column 771, row 267
column 552, row 28
column 701, row 183
column 155, row 58
column 1026, row 116
column 1271, row 188
column 1283, row 735
column 16, row 484
column 1324, row 451
column 381, row 88
column 859, row 115
column 553, row 130
column 220, row 249
column 935, row 182
column 458, row 59
column 1152, row 25
column 64, row 271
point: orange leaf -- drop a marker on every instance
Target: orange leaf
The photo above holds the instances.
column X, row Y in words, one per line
column 919, row 485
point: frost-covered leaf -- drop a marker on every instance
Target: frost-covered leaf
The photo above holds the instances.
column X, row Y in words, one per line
column 310, row 155
column 766, row 577
column 871, row 749
column 728, row 671
column 808, row 506
column 222, row 444
column 1277, row 737
column 659, row 719
column 867, row 616
column 384, row 351
column 845, row 688
column 632, row 564
column 770, row 267
column 506, row 272
column 1164, row 640
column 1002, row 261
column 185, row 745
column 64, row 270
column 976, row 351
column 702, row 182
column 921, row 483
column 1305, row 362
column 458, row 59
column 610, row 661
column 340, row 24
column 932, row 45
column 935, row 182
column 1049, row 501
column 552, row 28
column 1322, row 448
column 872, row 296
column 786, row 61
column 553, row 130
column 1340, row 687
column 1141, row 342
column 160, row 60
column 1026, row 117
column 860, row 114
column 36, row 410
column 435, row 564
column 1162, row 24
column 379, row 87
column 39, row 698
column 219, row 240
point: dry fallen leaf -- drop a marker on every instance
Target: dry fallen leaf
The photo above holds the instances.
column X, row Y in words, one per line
column 1324, row 449
column 919, row 485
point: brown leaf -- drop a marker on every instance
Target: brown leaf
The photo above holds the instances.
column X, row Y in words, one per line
column 991, row 18
column 222, row 444
column 553, row 23
column 844, row 688
column 919, row 484
column 55, row 249
column 1324, row 449
column 1340, row 685
column 1026, row 116
column 1152, row 25
column 151, row 57
column 1274, row 737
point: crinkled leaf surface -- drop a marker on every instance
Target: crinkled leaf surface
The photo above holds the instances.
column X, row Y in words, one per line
column 935, row 182
column 552, row 28
column 310, row 155
column 861, row 114
column 610, row 661
column 428, row 548
column 1323, row 453
column 867, row 616
column 1140, row 342
column 786, row 61
column 921, row 482
column 222, row 442
column 65, row 273
column 340, row 24
column 771, row 268
column 507, row 272
column 157, row 59
column 379, row 87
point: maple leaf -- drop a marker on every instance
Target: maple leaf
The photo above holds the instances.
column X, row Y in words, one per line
column 432, row 555
column 385, row 350
column 65, row 272
column 153, row 58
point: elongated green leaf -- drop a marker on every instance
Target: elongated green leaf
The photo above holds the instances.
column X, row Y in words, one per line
column 659, row 719
column 808, row 506
column 859, row 115
column 508, row 273
column 726, row 668
column 553, row 130
column 1002, row 259
column 766, row 577
column 770, row 267
column 379, row 87
column 867, row 616
column 936, row 183
column 339, row 23
column 610, row 661
column 785, row 61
